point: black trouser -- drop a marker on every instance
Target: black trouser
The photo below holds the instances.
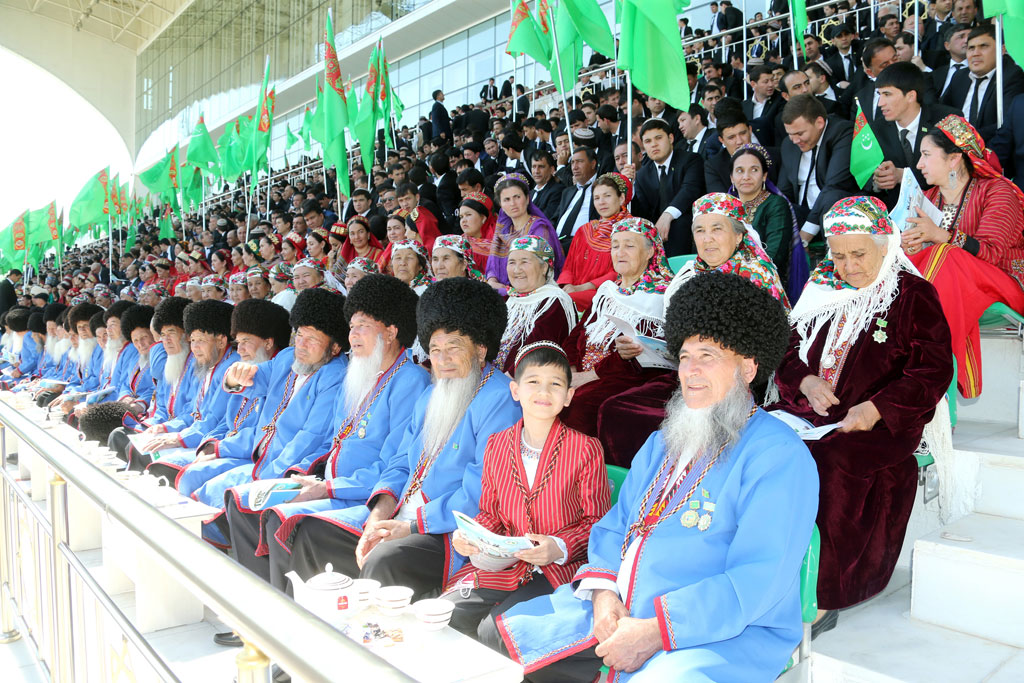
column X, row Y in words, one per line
column 474, row 614
column 416, row 561
column 46, row 398
column 119, row 443
column 244, row 532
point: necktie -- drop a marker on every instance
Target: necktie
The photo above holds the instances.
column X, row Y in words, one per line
column 974, row 100
column 689, row 145
column 807, row 180
column 908, row 151
column 664, row 189
column 574, row 212
column 846, row 66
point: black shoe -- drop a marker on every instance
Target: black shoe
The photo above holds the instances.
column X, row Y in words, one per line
column 227, row 639
column 827, row 622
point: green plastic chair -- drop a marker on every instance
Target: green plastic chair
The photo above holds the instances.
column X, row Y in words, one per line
column 808, row 597
column 676, row 263
column 616, row 475
column 998, row 315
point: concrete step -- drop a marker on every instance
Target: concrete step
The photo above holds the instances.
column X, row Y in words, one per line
column 1002, row 374
column 969, row 577
column 878, row 642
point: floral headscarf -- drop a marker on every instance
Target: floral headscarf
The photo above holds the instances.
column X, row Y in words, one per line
column 252, row 247
column 274, row 240
column 130, row 293
column 310, row 263
column 983, row 160
column 215, row 281
column 364, row 264
column 624, row 184
column 749, row 261
column 853, row 215
column 237, row 279
column 159, row 290
column 535, row 245
column 339, row 231
column 281, row 272
column 460, row 245
column 657, row 274
column 424, row 277
column 193, row 282
column 257, row 272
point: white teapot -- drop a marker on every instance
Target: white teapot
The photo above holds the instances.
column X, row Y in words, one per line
column 329, row 595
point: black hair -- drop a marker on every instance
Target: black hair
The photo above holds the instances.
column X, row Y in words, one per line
column 807, row 106
column 758, row 71
column 982, row 30
column 655, row 124
column 904, row 76
column 544, row 356
column 470, row 176
column 406, row 188
column 873, row 47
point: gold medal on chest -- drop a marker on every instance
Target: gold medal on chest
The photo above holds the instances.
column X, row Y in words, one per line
column 704, row 522
column 689, row 519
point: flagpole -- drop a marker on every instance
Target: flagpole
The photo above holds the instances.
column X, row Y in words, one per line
column 110, row 243
column 561, row 79
column 629, row 118
column 248, row 207
column 917, row 27
column 999, row 70
column 792, row 28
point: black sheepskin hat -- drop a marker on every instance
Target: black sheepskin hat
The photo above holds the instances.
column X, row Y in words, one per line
column 734, row 312
column 263, row 319
column 96, row 322
column 81, row 313
column 170, row 311
column 53, row 311
column 209, row 315
column 134, row 317
column 324, row 311
column 469, row 307
column 17, row 319
column 36, row 323
column 100, row 419
column 116, row 310
column 387, row 300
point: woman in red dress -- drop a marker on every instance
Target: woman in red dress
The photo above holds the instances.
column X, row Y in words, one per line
column 361, row 242
column 589, row 262
column 973, row 263
column 478, row 220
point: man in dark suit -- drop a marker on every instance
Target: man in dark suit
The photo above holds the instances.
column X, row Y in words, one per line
column 666, row 188
column 660, row 110
column 477, row 119
column 954, row 57
column 733, row 16
column 489, row 92
column 697, row 137
column 361, row 205
column 797, row 83
column 974, row 92
column 440, row 122
column 845, row 58
column 878, row 54
column 733, row 132
column 815, row 162
column 473, row 152
column 608, row 129
column 900, row 128
column 448, row 196
column 932, row 38
column 547, row 192
column 506, row 88
column 7, row 295
column 763, row 104
column 576, row 206
column 1008, row 142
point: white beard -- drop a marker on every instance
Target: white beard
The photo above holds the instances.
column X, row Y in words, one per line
column 174, row 366
column 446, row 407
column 18, row 342
column 85, row 349
column 50, row 346
column 61, row 347
column 261, row 357
column 310, row 368
column 362, row 375
column 110, row 352
column 692, row 432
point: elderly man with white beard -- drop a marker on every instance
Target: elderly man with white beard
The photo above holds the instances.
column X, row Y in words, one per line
column 119, row 359
column 53, row 349
column 208, row 331
column 402, row 534
column 693, row 573
column 297, row 390
column 89, row 354
column 371, row 414
column 170, row 363
column 260, row 330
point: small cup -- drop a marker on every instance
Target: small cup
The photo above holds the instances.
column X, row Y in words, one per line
column 433, row 613
column 364, row 591
column 392, row 600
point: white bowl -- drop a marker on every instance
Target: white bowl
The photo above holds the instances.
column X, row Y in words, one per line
column 434, row 613
column 392, row 600
column 364, row 591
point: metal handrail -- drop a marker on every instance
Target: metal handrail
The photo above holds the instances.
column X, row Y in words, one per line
column 301, row 643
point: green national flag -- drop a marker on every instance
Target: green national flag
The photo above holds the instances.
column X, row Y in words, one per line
column 316, row 122
column 231, row 151
column 527, row 37
column 41, row 225
column 650, row 50
column 371, row 109
column 256, row 153
column 567, row 52
column 1013, row 24
column 591, row 25
column 290, row 137
column 162, row 176
column 192, row 187
column 335, row 107
column 865, row 154
column 798, row 8
column 87, row 207
column 166, row 227
column 306, row 130
column 201, row 151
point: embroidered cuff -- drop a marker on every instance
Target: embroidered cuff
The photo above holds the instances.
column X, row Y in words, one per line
column 966, row 242
column 381, row 492
column 421, row 521
column 668, row 638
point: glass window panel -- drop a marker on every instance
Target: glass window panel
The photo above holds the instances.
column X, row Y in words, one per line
column 455, row 48
column 428, row 84
column 430, row 59
column 481, row 37
column 503, row 65
column 481, row 66
column 455, row 77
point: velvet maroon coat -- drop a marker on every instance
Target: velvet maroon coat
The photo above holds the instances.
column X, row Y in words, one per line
column 868, row 478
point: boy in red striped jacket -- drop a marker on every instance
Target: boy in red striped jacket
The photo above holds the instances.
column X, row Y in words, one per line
column 541, row 480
